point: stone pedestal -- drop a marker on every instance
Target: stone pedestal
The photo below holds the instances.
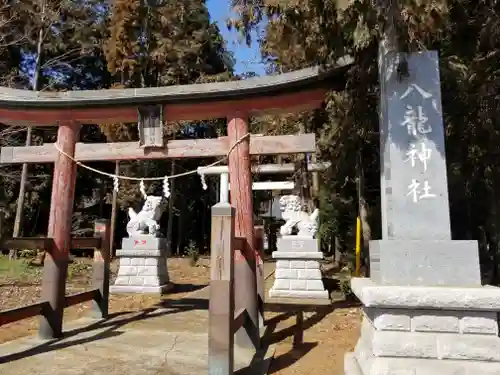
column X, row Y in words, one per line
column 298, row 273
column 426, row 330
column 143, row 266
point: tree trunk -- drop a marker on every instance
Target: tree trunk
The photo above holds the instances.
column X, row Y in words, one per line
column 180, row 228
column 24, row 173
column 171, row 201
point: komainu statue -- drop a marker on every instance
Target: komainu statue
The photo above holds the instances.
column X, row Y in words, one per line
column 296, row 218
column 145, row 222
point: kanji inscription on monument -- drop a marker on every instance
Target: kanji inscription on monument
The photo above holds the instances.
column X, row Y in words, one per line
column 414, row 183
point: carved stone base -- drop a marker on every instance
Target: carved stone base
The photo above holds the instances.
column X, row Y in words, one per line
column 142, row 270
column 421, row 330
column 298, row 273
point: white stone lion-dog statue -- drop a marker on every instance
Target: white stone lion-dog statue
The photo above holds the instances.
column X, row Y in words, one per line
column 145, row 222
column 297, row 218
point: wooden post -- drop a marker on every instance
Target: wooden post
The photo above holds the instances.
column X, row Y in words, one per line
column 61, row 210
column 221, row 304
column 100, row 269
column 113, row 213
column 259, row 251
column 240, row 179
column 224, row 188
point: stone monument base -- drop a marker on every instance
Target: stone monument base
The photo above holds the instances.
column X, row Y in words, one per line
column 298, row 273
column 142, row 269
column 425, row 262
column 419, row 330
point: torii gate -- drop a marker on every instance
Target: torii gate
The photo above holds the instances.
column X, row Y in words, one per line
column 235, row 101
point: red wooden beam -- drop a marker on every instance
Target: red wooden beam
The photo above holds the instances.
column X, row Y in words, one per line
column 201, row 110
column 61, row 210
column 240, row 179
column 20, row 313
column 81, row 297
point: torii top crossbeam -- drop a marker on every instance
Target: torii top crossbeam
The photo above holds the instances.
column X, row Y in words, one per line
column 294, row 91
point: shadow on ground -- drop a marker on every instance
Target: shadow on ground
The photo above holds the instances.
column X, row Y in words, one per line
column 111, row 328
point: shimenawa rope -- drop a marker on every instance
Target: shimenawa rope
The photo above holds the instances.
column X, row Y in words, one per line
column 166, row 189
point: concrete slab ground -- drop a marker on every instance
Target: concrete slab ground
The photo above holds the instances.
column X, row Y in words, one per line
column 105, row 350
column 171, row 340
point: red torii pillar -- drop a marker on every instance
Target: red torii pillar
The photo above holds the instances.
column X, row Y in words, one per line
column 240, row 179
column 61, row 211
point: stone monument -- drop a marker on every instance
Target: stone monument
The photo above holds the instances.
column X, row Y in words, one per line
column 298, row 273
column 425, row 310
column 143, row 256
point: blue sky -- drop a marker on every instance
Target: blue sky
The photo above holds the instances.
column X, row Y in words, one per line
column 247, row 58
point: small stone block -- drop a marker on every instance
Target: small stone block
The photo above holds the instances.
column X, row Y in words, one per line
column 312, row 264
column 286, row 274
column 314, row 285
column 309, row 274
column 297, row 244
column 435, row 321
column 282, row 284
column 297, row 264
column 297, row 255
column 144, row 243
column 300, row 294
column 298, row 284
column 140, row 253
column 479, row 322
column 388, row 319
column 426, row 262
column 282, row 264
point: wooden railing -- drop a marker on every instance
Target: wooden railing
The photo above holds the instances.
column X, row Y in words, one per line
column 98, row 294
column 224, row 322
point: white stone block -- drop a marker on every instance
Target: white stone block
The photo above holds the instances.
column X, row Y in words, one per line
column 147, row 271
column 286, row 274
column 151, row 261
column 417, row 366
column 136, row 280
column 315, row 285
column 435, row 321
column 282, row 264
column 281, row 284
column 302, row 255
column 124, row 262
column 122, row 280
column 479, row 322
column 312, row 264
column 304, row 294
column 127, row 271
column 309, row 274
column 298, row 284
column 389, row 319
column 441, row 298
column 151, row 281
column 469, row 347
column 297, row 244
column 430, row 344
column 137, row 261
column 296, row 264
column 412, row 344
